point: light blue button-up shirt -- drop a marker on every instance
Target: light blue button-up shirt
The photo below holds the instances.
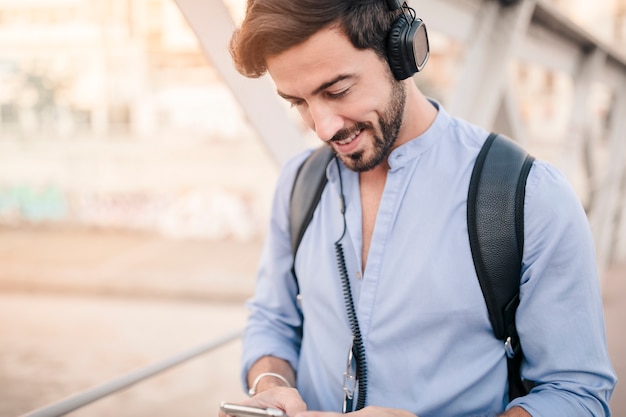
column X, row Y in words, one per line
column 429, row 344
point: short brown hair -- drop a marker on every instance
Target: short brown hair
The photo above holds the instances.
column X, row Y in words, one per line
column 270, row 27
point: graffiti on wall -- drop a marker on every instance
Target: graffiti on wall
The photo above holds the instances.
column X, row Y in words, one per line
column 32, row 204
column 191, row 214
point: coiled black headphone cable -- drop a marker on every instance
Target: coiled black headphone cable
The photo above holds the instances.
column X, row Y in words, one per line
column 358, row 349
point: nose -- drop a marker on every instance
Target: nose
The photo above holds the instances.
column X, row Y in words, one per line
column 325, row 120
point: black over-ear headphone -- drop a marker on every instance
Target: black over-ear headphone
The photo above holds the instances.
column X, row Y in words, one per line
column 407, row 42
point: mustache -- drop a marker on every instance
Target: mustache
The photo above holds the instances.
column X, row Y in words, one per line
column 346, row 133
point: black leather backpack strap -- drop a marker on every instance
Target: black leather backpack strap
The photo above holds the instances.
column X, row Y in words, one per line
column 306, row 193
column 495, row 221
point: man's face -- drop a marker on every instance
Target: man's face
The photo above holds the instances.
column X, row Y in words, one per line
column 347, row 96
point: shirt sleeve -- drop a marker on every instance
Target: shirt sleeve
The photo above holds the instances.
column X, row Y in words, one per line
column 560, row 318
column 274, row 322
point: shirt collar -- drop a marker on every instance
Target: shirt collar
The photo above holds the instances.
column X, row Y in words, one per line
column 417, row 146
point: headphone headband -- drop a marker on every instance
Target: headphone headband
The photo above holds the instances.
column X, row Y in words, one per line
column 394, row 4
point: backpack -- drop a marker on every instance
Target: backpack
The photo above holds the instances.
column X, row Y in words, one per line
column 495, row 222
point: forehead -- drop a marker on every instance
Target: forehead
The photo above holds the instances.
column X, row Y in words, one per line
column 325, row 55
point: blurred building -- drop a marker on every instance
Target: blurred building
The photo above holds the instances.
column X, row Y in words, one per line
column 107, row 66
column 111, row 116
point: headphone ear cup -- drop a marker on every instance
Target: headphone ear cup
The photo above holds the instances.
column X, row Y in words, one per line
column 399, row 51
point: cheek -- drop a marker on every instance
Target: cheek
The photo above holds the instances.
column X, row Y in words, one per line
column 364, row 107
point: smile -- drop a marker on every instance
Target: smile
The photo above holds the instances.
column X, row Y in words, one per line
column 349, row 139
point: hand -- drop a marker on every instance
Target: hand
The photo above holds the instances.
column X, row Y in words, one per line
column 283, row 398
column 369, row 411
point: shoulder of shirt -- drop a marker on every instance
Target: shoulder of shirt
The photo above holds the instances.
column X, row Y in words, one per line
column 548, row 186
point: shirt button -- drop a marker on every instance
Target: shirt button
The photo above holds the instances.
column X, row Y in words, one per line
column 358, row 275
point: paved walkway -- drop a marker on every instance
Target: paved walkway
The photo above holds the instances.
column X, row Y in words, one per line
column 50, row 316
column 61, row 332
column 127, row 264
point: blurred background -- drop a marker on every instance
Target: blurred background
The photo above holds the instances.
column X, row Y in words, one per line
column 136, row 179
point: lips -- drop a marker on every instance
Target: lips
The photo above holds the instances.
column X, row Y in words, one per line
column 349, row 143
column 349, row 139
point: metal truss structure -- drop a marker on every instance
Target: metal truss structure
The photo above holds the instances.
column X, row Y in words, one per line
column 493, row 35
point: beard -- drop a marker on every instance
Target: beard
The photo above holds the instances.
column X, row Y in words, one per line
column 389, row 123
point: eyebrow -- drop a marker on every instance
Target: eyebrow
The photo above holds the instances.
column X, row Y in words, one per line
column 319, row 89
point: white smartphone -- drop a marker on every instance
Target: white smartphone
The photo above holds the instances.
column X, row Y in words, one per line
column 238, row 410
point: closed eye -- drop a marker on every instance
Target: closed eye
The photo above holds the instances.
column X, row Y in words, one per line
column 336, row 96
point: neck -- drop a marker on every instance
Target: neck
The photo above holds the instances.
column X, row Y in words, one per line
column 419, row 114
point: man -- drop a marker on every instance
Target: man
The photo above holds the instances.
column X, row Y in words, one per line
column 396, row 203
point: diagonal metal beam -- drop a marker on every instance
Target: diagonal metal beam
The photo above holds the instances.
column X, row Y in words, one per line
column 607, row 201
column 508, row 116
column 497, row 33
column 213, row 26
column 580, row 119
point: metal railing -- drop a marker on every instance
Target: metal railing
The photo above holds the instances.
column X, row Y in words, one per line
column 105, row 389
